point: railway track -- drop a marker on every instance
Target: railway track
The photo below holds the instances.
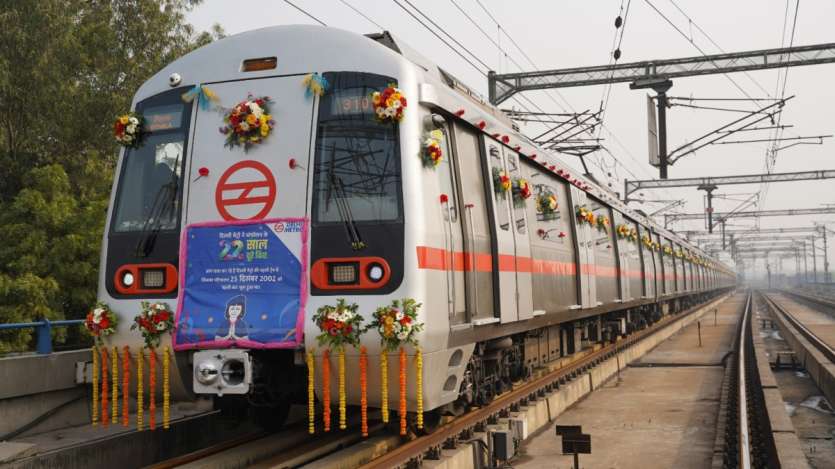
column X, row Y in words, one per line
column 820, row 344
column 293, row 448
column 749, row 441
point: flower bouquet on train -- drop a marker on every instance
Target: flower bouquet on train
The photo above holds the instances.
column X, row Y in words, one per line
column 398, row 325
column 248, row 123
column 603, row 223
column 585, row 215
column 389, row 104
column 129, row 130
column 521, row 190
column 153, row 321
column 432, row 153
column 100, row 322
column 667, row 250
column 546, row 205
column 501, row 182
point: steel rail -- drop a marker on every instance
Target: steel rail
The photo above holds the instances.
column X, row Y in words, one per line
column 744, row 434
column 416, row 448
column 816, row 341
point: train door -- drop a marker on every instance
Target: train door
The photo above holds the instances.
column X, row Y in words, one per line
column 521, row 238
column 504, row 264
column 478, row 238
column 660, row 266
column 236, row 185
column 585, row 252
column 647, row 262
column 604, row 269
column 451, row 215
column 623, row 254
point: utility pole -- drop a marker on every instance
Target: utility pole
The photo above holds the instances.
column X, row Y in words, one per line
column 805, row 264
column 660, row 86
column 709, row 188
column 814, row 260
column 826, row 277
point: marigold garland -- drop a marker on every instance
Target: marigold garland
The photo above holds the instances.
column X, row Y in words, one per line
column 364, row 390
column 326, row 390
column 311, row 394
column 140, row 392
column 419, row 386
column 384, row 385
column 125, row 386
column 342, row 418
column 402, row 408
column 166, row 388
column 114, row 364
column 105, row 412
column 152, row 386
column 95, row 380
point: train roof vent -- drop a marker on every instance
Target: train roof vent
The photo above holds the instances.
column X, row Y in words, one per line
column 385, row 39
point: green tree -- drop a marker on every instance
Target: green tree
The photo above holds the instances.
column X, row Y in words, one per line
column 67, row 68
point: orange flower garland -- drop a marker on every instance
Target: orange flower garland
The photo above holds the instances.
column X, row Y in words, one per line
column 326, row 390
column 140, row 392
column 114, row 362
column 125, row 385
column 105, row 415
column 402, row 391
column 364, row 390
column 384, row 385
column 311, row 394
column 95, row 380
column 152, row 385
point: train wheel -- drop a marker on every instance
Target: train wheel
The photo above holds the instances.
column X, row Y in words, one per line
column 270, row 418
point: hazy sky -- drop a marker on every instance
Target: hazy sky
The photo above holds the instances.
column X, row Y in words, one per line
column 572, row 33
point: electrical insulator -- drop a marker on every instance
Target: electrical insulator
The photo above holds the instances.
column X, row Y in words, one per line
column 618, row 22
column 617, row 54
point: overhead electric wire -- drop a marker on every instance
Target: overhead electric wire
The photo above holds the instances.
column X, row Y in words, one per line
column 305, row 12
column 359, row 12
column 693, row 43
column 613, row 60
column 706, row 35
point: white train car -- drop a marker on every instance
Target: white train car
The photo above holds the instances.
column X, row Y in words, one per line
column 505, row 283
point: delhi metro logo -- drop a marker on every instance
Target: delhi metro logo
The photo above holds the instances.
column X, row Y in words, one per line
column 245, row 191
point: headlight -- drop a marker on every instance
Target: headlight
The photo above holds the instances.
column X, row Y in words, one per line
column 206, row 372
column 127, row 279
column 376, row 272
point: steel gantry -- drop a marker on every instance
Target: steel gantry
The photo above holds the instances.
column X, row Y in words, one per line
column 673, row 217
column 503, row 86
column 631, row 186
column 657, row 75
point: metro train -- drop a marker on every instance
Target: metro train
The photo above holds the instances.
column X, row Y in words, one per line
column 508, row 279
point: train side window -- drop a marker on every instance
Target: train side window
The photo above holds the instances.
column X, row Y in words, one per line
column 518, row 203
column 499, row 194
column 602, row 237
column 445, row 173
column 549, row 208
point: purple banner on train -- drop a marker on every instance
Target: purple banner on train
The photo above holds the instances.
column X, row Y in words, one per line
column 242, row 284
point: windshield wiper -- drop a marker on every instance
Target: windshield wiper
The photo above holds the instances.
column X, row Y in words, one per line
column 163, row 206
column 335, row 185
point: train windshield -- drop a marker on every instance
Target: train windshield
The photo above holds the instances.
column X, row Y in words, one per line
column 150, row 185
column 357, row 167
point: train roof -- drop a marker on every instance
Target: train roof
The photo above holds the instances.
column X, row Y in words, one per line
column 301, row 49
